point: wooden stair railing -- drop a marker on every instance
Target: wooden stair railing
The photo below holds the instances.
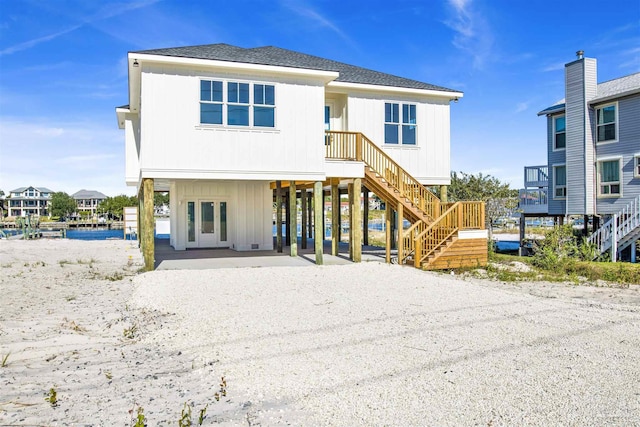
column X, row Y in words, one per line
column 356, row 146
column 460, row 216
column 427, row 234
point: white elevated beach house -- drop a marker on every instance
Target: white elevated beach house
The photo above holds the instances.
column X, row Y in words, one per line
column 30, row 200
column 593, row 152
column 223, row 128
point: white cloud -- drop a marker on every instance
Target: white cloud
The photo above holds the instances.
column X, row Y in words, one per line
column 62, row 156
column 473, row 34
column 522, row 106
column 306, row 11
column 34, row 42
column 554, row 67
column 108, row 11
column 82, row 161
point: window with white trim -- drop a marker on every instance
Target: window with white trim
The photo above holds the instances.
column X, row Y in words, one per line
column 210, row 102
column 264, row 102
column 559, row 133
column 636, row 166
column 609, row 177
column 559, row 182
column 237, row 103
column 606, row 119
column 400, row 129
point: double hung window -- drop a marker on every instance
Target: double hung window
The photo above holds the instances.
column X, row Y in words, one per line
column 210, row 102
column 636, row 166
column 606, row 118
column 264, row 105
column 609, row 177
column 399, row 129
column 559, row 133
column 237, row 103
column 560, row 182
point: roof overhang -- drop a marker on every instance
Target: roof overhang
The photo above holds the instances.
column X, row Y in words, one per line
column 121, row 113
column 138, row 60
column 141, row 58
column 348, row 87
column 552, row 110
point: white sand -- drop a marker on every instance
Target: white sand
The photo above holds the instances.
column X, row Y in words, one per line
column 366, row 344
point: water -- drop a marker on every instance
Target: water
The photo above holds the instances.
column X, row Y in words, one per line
column 81, row 234
column 94, row 234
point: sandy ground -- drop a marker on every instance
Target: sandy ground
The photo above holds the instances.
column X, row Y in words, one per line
column 366, row 344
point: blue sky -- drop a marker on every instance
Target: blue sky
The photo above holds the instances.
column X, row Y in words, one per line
column 63, row 68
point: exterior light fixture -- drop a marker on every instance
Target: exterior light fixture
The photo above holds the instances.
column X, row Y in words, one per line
column 135, row 63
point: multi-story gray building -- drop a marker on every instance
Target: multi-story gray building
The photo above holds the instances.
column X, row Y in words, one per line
column 593, row 152
column 88, row 200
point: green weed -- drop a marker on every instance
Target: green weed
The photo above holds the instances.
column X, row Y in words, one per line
column 5, row 360
column 52, row 397
column 130, row 332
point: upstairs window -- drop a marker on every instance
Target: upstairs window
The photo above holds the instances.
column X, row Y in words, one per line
column 237, row 104
column 606, row 118
column 560, row 182
column 391, row 120
column 636, row 166
column 264, row 105
column 211, row 102
column 408, row 124
column 559, row 133
column 609, row 178
column 396, row 131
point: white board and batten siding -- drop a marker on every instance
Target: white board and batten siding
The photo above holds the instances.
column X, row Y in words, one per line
column 176, row 146
column 249, row 214
column 429, row 160
column 580, row 86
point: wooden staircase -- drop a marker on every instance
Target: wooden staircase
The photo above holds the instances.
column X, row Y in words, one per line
column 433, row 239
column 620, row 231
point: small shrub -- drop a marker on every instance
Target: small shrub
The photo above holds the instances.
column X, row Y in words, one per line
column 140, row 420
column 130, row 332
column 185, row 416
column 52, row 397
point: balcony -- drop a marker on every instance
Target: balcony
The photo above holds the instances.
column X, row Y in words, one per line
column 534, row 198
column 536, row 176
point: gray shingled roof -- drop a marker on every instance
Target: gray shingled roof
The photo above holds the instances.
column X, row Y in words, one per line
column 88, row 194
column 271, row 55
column 606, row 90
column 40, row 189
column 618, row 86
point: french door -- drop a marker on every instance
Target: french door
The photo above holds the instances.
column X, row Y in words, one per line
column 207, row 223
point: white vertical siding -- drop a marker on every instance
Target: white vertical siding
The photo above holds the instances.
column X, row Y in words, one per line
column 429, row 159
column 131, row 148
column 174, row 144
column 249, row 211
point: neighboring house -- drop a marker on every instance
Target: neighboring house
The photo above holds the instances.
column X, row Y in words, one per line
column 593, row 146
column 88, row 201
column 220, row 127
column 25, row 201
